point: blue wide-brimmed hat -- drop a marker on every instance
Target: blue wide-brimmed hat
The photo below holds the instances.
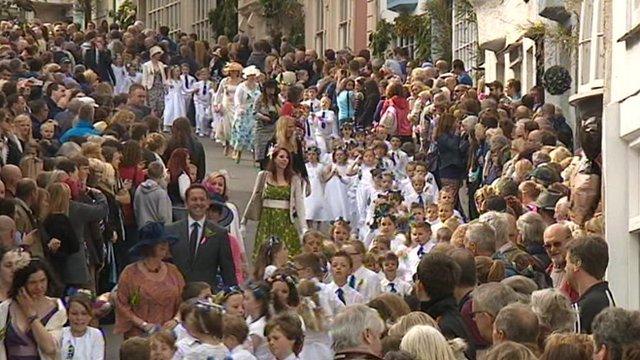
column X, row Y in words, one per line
column 226, row 215
column 151, row 234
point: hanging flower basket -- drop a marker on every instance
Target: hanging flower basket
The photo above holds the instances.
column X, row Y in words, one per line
column 556, row 80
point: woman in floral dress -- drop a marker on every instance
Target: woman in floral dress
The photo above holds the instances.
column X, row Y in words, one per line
column 244, row 121
column 277, row 203
column 223, row 103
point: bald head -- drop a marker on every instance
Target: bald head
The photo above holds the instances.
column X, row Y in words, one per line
column 522, row 112
column 556, row 237
column 10, row 175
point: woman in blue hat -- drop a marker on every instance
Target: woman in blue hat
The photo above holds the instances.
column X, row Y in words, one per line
column 149, row 290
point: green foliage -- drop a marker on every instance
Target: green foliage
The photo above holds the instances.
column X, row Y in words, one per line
column 125, row 15
column 558, row 34
column 439, row 13
column 380, row 39
column 224, row 18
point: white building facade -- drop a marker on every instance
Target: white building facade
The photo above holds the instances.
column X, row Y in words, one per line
column 620, row 54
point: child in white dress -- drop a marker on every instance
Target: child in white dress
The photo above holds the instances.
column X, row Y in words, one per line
column 314, row 203
column 79, row 340
column 174, row 105
column 205, row 325
column 337, row 182
column 120, row 74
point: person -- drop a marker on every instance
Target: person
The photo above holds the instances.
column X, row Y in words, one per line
column 356, row 333
column 267, row 109
column 488, row 300
column 451, row 149
column 256, row 303
column 510, row 350
column 202, row 246
column 162, row 345
column 9, row 261
column 395, row 111
column 31, row 319
column 287, row 137
column 151, row 202
column 556, row 237
column 517, row 323
column 435, row 291
column 205, row 329
column 223, row 103
column 426, row 342
column 149, row 289
column 554, row 311
column 587, row 260
column 235, row 335
column 79, row 340
column 154, row 79
column 613, row 329
column 182, row 137
column 202, row 99
column 179, row 180
column 175, row 105
column 244, row 122
column 98, row 59
column 568, row 346
column 277, row 203
column 135, row 348
column 285, row 336
column 457, row 67
column 84, row 126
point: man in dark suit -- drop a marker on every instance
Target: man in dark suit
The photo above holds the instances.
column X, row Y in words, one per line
column 98, row 59
column 203, row 247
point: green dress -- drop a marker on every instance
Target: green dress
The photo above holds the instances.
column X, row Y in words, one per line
column 276, row 222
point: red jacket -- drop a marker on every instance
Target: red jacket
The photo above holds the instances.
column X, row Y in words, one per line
column 401, row 105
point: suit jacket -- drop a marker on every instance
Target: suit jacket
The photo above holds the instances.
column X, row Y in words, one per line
column 148, row 73
column 102, row 67
column 213, row 252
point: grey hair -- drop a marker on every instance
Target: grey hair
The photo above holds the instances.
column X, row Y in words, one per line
column 519, row 323
column 615, row 327
column 510, row 350
column 349, row 326
column 500, row 224
column 553, row 310
column 492, row 297
column 531, row 226
column 483, row 235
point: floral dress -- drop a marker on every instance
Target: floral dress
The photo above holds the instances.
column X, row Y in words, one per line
column 277, row 222
column 157, row 93
column 245, row 117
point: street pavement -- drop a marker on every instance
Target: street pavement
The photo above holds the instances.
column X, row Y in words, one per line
column 242, row 177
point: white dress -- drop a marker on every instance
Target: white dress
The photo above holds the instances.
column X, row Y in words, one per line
column 120, row 73
column 175, row 106
column 314, row 203
column 335, row 194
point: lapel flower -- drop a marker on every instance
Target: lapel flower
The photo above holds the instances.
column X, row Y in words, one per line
column 134, row 298
column 208, row 233
column 360, row 283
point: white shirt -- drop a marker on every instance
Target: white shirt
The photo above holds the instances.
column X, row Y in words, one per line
column 204, row 92
column 328, row 117
column 88, row 346
column 200, row 222
column 367, row 283
column 351, row 297
column 428, row 193
column 187, row 81
column 401, row 287
column 192, row 349
column 240, row 353
column 413, row 258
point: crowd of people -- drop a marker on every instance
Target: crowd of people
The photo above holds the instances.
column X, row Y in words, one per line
column 403, row 210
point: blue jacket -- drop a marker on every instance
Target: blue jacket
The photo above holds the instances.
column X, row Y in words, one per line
column 81, row 129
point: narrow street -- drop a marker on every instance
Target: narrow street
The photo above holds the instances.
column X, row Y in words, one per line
column 242, row 177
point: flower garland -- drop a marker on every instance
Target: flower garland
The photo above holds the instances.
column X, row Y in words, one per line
column 556, row 80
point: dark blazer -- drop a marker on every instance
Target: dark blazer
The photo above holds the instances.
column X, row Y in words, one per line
column 213, row 254
column 102, row 67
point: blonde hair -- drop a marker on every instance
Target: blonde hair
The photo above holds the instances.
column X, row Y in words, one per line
column 309, row 308
column 426, row 343
column 90, row 76
column 29, row 166
column 124, row 117
column 559, row 154
column 406, row 322
column 281, row 135
column 92, row 150
column 59, row 198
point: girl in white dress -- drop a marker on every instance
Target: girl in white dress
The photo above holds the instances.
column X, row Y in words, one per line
column 223, row 103
column 204, row 324
column 314, row 203
column 175, row 106
column 120, row 74
column 337, row 183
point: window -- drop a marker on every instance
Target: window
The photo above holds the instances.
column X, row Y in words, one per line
column 408, row 43
column 634, row 14
column 465, row 36
column 344, row 24
column 320, row 27
column 590, row 46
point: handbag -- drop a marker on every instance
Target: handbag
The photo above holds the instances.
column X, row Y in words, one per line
column 254, row 207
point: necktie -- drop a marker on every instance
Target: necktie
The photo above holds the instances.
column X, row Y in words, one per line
column 204, row 89
column 193, row 240
column 392, row 288
column 420, row 200
column 393, row 158
column 352, row 282
column 340, row 294
column 322, row 123
column 421, row 251
column 186, row 81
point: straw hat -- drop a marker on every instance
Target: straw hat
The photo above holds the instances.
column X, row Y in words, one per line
column 155, row 50
column 233, row 66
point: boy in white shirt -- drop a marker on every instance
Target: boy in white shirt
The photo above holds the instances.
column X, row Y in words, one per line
column 363, row 280
column 420, row 192
column 390, row 282
column 339, row 289
column 236, row 332
column 398, row 157
column 324, row 120
column 422, row 244
column 203, row 97
column 188, row 82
